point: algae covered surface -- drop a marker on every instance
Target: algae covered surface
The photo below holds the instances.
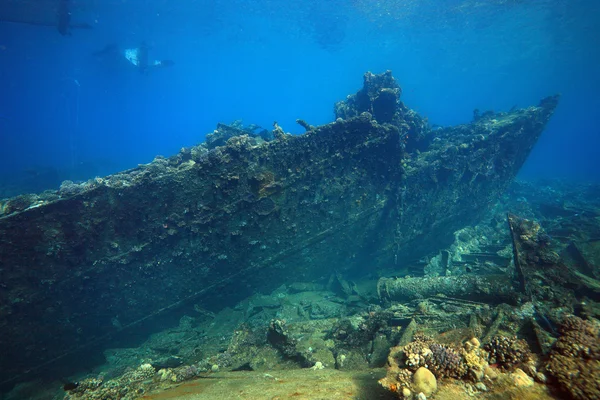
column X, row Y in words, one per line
column 371, row 257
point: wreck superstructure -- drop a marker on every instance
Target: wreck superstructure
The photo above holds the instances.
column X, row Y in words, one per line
column 218, row 222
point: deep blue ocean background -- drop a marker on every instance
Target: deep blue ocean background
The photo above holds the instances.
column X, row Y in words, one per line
column 65, row 114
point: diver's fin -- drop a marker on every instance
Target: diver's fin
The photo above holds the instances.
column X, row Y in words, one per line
column 163, row 63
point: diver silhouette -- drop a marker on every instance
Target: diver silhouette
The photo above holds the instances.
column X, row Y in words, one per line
column 138, row 57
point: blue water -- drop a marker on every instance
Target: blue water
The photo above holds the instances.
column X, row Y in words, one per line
column 66, row 111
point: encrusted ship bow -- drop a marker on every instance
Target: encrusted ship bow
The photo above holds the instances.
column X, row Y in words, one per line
column 245, row 212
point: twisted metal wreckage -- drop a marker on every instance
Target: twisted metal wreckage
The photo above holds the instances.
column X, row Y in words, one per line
column 245, row 212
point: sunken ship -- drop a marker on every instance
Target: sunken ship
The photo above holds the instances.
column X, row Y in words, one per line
column 245, row 212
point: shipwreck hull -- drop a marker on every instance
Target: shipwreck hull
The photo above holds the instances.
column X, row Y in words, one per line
column 211, row 226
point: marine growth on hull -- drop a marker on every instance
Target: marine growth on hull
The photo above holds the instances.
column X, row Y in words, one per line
column 375, row 256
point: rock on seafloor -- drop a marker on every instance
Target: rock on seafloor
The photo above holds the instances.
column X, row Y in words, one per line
column 424, row 382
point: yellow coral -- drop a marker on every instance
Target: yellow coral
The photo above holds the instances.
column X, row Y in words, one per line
column 166, row 374
column 476, row 364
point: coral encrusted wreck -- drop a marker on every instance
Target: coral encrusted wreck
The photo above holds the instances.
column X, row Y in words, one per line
column 244, row 213
column 574, row 363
